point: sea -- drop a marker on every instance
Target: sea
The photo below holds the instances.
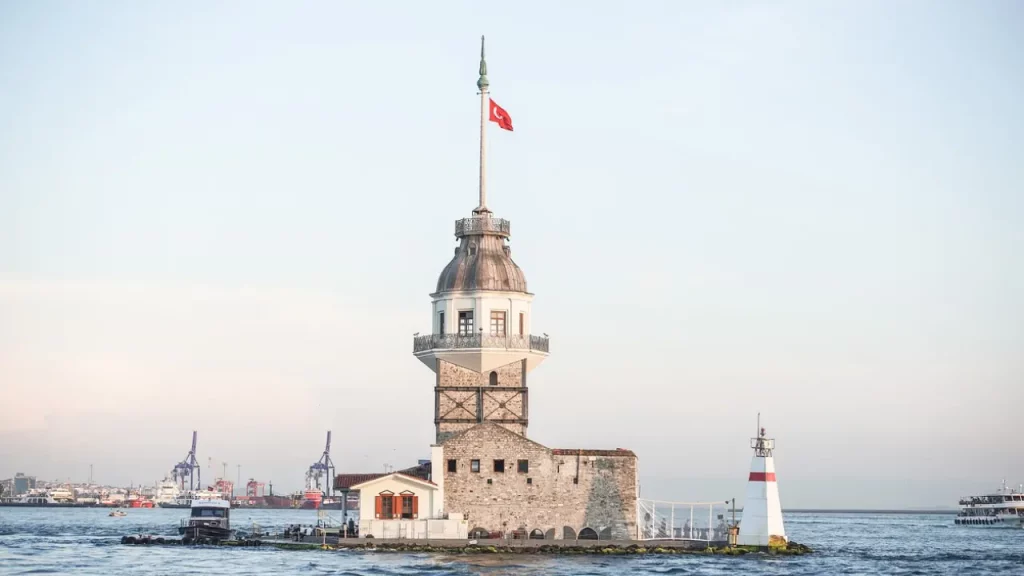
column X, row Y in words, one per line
column 87, row 541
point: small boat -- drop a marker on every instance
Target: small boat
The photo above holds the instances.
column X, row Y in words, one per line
column 208, row 522
column 117, row 513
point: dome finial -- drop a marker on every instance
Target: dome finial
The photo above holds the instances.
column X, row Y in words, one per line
column 482, row 83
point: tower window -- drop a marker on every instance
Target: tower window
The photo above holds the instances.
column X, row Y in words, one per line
column 466, row 323
column 452, row 465
column 440, row 322
column 522, row 323
column 474, row 465
column 494, row 379
column 497, row 323
column 524, row 466
column 499, row 466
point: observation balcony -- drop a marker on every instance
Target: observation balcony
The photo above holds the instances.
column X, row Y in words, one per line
column 479, row 225
column 480, row 352
column 469, row 341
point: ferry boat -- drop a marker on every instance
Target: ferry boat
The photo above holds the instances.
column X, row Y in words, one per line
column 35, row 499
column 209, row 521
column 1004, row 508
column 185, row 500
column 62, row 496
column 42, row 498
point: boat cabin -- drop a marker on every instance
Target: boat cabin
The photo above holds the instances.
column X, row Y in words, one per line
column 208, row 520
column 211, row 509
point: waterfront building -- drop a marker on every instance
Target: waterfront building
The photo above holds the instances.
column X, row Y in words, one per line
column 20, row 484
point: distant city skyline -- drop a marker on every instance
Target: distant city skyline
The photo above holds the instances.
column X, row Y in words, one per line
column 228, row 218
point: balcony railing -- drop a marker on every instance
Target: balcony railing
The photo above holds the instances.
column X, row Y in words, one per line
column 482, row 225
column 456, row 341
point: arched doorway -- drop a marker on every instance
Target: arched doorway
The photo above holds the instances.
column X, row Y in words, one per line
column 588, row 534
column 550, row 534
column 479, row 534
column 606, row 534
column 568, row 533
column 536, row 534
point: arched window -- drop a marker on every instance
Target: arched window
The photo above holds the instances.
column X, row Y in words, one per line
column 479, row 534
column 568, row 533
column 536, row 534
column 588, row 534
column 494, row 378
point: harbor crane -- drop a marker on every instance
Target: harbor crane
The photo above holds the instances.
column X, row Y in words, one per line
column 189, row 467
column 323, row 466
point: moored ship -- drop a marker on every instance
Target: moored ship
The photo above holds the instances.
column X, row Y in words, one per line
column 185, row 500
column 1004, row 508
column 57, row 496
column 166, row 491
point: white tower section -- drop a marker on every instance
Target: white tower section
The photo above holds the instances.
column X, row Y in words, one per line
column 761, row 523
column 481, row 309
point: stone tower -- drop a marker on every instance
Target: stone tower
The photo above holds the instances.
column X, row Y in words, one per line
column 480, row 347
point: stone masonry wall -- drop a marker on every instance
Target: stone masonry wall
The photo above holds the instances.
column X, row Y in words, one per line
column 560, row 495
column 510, row 374
column 498, row 404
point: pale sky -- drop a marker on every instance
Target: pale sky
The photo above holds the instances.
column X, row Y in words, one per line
column 228, row 217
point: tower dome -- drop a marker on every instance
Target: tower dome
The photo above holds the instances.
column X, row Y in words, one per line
column 483, row 260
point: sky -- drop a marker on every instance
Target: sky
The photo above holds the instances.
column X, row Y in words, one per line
column 228, row 217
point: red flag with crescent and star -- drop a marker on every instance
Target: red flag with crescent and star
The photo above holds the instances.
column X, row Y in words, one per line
column 500, row 116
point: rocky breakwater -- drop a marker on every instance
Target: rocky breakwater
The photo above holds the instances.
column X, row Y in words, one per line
column 436, row 547
column 792, row 549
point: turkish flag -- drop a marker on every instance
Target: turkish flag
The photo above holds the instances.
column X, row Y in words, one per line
column 499, row 115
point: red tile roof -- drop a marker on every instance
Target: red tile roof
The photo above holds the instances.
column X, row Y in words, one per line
column 348, row 480
column 620, row 452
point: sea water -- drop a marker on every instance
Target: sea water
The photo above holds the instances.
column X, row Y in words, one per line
column 87, row 541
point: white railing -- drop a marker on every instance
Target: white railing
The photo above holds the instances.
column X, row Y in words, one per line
column 698, row 521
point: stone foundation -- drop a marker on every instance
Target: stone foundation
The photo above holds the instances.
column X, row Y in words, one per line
column 561, row 494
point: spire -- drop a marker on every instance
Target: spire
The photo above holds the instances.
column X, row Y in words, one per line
column 483, row 84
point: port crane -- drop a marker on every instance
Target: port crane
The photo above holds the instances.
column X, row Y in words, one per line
column 189, row 467
column 323, row 466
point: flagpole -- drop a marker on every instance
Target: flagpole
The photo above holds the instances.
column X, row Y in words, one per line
column 482, row 84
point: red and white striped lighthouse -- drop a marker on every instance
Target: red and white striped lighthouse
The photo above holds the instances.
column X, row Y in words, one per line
column 761, row 523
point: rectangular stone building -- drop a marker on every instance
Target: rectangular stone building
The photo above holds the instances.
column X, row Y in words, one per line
column 502, row 482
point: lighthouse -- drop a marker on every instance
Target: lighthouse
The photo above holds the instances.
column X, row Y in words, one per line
column 761, row 523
